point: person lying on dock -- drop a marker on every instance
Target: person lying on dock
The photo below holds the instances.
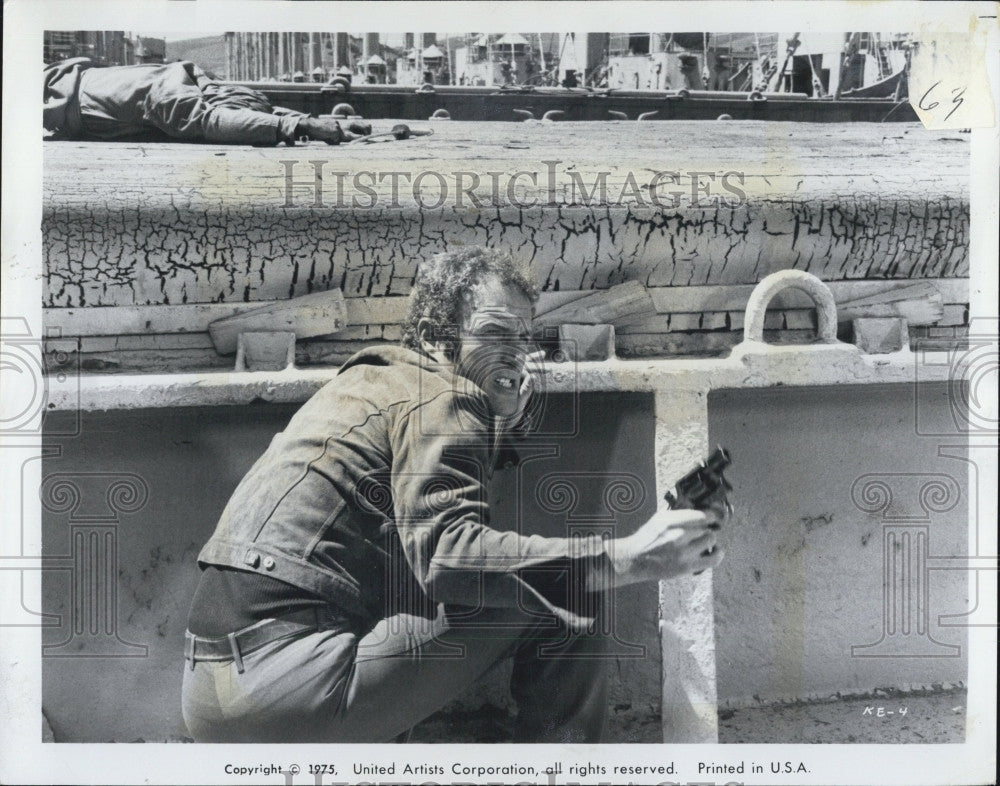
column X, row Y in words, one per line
column 175, row 101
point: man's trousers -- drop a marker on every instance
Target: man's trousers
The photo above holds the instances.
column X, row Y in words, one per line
column 334, row 684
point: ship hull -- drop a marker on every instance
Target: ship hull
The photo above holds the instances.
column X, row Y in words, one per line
column 470, row 103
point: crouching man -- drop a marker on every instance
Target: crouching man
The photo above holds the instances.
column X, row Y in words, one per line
column 178, row 101
column 354, row 584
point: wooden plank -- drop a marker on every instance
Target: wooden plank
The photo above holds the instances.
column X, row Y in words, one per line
column 549, row 301
column 927, row 311
column 318, row 314
column 605, row 306
column 917, row 290
column 918, row 304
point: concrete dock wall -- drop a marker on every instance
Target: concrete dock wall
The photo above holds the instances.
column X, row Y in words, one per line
column 802, row 584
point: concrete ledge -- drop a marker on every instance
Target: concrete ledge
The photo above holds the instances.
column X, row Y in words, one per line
column 693, row 669
column 768, row 366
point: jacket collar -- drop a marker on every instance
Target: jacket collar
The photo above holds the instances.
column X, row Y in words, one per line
column 389, row 355
column 395, row 355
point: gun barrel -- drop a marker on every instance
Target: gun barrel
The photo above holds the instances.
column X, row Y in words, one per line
column 703, row 482
column 719, row 459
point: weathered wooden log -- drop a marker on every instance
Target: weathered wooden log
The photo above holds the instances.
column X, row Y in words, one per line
column 587, row 205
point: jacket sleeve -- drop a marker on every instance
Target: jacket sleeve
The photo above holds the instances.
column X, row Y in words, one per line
column 439, row 481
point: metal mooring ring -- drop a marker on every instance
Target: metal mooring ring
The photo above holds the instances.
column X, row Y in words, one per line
column 764, row 292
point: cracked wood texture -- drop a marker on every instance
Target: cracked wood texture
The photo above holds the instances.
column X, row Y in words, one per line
column 157, row 224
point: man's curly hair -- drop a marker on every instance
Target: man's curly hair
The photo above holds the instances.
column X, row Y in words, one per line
column 445, row 283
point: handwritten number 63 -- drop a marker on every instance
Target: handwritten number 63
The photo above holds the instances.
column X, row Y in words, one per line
column 956, row 99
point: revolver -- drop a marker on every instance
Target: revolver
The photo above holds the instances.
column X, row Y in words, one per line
column 703, row 485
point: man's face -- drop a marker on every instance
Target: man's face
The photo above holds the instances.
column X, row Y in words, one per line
column 495, row 340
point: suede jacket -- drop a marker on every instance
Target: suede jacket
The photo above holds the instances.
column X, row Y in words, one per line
column 378, row 487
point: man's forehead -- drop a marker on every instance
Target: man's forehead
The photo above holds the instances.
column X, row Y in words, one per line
column 502, row 310
column 503, row 317
column 499, row 299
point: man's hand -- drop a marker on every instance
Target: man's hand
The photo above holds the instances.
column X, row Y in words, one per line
column 533, row 368
column 672, row 543
column 330, row 131
column 360, row 128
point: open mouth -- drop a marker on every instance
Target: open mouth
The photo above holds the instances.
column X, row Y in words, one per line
column 507, row 377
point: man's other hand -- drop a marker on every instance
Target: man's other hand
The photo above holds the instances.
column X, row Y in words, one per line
column 360, row 128
column 534, row 367
column 672, row 543
column 330, row 131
